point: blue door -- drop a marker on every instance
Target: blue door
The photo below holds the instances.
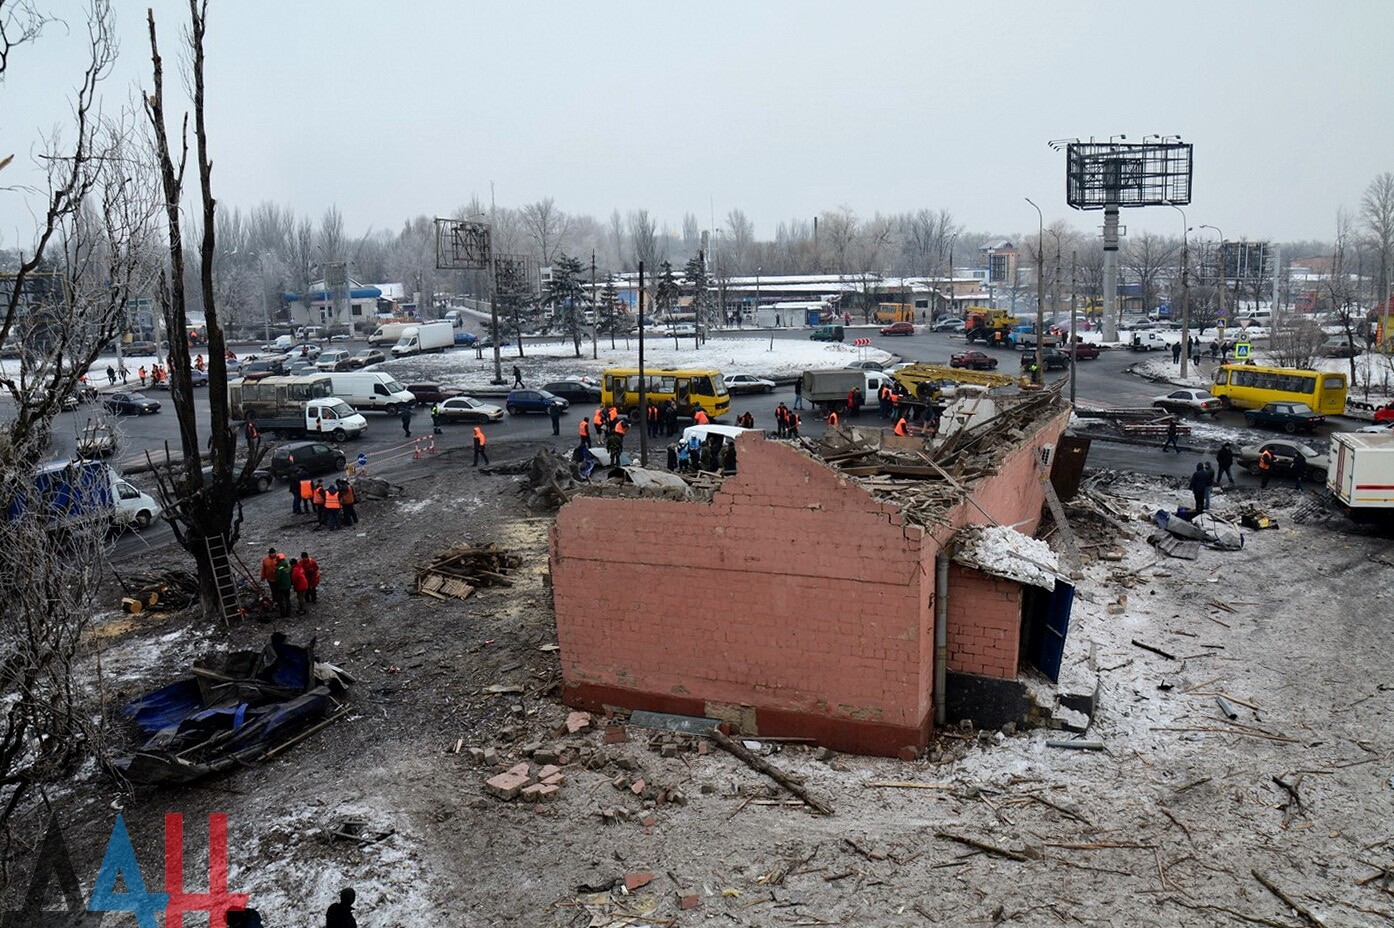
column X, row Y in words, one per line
column 1049, row 626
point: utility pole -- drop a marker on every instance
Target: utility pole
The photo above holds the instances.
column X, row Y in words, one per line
column 1073, row 344
column 1055, row 300
column 643, row 383
column 493, row 294
column 595, row 312
column 1219, row 280
column 1040, row 288
column 1185, row 292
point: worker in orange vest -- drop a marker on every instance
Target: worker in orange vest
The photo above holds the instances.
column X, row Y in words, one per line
column 198, row 364
column 268, row 569
column 700, row 416
column 304, row 494
column 584, row 430
column 621, row 429
column 612, row 415
column 598, row 419
column 832, row 419
column 901, row 428
column 141, row 374
column 317, row 496
column 479, row 443
column 332, row 505
column 653, row 421
column 348, row 499
column 793, row 424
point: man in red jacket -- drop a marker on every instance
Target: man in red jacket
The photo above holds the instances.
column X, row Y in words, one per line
column 311, row 567
column 299, row 584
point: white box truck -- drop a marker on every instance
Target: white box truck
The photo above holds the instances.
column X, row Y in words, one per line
column 1360, row 475
column 388, row 333
column 372, row 390
column 429, row 336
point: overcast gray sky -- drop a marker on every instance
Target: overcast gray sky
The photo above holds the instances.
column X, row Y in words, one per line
column 783, row 109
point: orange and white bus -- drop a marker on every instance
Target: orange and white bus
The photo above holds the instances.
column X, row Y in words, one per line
column 1249, row 386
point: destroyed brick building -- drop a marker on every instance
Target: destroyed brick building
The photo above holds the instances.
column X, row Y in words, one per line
column 801, row 599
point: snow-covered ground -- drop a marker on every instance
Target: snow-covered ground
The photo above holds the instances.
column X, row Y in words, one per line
column 555, row 360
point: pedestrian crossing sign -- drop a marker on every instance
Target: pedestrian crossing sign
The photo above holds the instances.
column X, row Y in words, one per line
column 1220, row 323
column 1241, row 350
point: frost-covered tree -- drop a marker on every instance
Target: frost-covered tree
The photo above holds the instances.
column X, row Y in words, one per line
column 703, row 307
column 567, row 297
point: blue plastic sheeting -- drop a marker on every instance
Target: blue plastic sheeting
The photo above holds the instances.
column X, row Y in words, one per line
column 324, row 296
column 166, row 706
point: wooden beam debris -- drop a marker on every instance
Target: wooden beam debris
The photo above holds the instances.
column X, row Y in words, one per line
column 757, row 763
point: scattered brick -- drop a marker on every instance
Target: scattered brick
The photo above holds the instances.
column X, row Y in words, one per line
column 531, row 748
column 506, row 786
column 616, row 734
column 578, row 721
column 909, row 753
column 545, row 756
column 688, row 899
column 522, row 770
column 633, row 881
column 540, row 792
column 637, row 787
column 556, row 779
column 547, row 771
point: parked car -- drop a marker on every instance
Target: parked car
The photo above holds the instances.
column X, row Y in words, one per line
column 302, row 367
column 1381, row 428
column 132, row 404
column 576, row 390
column 488, row 342
column 747, row 383
column 827, row 333
column 315, row 457
column 468, row 409
column 899, row 328
column 135, row 349
column 259, row 481
column 365, row 357
column 685, row 330
column 304, row 350
column 1052, row 358
column 865, row 366
column 1082, row 351
column 1197, row 401
column 947, row 324
column 521, row 401
column 975, row 360
column 1284, row 453
column 265, row 367
column 336, row 359
column 1290, row 417
column 197, row 377
column 1385, row 413
column 428, row 393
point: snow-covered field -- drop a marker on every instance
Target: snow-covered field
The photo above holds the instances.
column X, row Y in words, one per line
column 555, row 360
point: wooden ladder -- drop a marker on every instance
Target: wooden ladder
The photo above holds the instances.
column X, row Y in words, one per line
column 1057, row 511
column 218, row 559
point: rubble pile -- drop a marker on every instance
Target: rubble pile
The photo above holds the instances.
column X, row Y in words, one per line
column 554, row 479
column 458, row 572
column 926, row 477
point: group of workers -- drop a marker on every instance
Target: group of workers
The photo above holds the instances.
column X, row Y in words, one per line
column 299, row 575
column 334, row 506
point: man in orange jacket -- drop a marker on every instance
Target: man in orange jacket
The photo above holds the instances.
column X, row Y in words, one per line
column 268, row 569
column 479, row 443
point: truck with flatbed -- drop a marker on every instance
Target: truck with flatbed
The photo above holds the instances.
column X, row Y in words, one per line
column 1360, row 475
column 294, row 407
column 989, row 325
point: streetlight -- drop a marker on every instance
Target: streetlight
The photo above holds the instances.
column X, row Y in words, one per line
column 953, row 303
column 1185, row 291
column 1040, row 286
column 1220, row 280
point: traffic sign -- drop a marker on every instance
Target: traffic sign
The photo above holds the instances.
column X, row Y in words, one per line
column 1220, row 323
column 1241, row 350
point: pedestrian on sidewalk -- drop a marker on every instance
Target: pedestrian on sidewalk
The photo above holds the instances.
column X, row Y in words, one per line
column 798, row 393
column 1172, row 433
column 518, row 378
column 479, row 444
column 111, row 375
column 554, row 413
column 406, row 420
column 1224, row 458
column 1176, row 353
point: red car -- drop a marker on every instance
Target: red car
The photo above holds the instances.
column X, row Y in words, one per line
column 1083, row 351
column 899, row 328
column 975, row 360
column 1385, row 413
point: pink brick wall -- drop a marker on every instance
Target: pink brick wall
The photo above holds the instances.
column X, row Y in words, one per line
column 984, row 623
column 792, row 591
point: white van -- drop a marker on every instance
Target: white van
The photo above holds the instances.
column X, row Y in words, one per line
column 134, row 509
column 365, row 390
column 1150, row 339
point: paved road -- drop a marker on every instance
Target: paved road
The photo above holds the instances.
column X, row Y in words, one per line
column 1103, row 381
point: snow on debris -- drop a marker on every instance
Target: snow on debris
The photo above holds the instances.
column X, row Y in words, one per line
column 1005, row 552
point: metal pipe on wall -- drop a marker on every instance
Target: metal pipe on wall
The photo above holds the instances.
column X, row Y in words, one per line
column 941, row 637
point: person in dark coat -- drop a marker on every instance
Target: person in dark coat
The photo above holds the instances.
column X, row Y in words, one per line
column 517, row 377
column 1299, row 470
column 406, row 420
column 1224, row 458
column 1200, row 482
column 1172, row 432
column 554, row 411
column 340, row 914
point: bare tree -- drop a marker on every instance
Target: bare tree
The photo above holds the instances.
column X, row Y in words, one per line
column 839, row 233
column 198, row 510
column 64, row 298
column 1150, row 257
column 643, row 237
column 740, row 238
column 546, row 226
column 330, row 240
column 1377, row 214
column 1343, row 299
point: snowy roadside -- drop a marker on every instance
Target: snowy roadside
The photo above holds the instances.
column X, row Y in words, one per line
column 555, row 360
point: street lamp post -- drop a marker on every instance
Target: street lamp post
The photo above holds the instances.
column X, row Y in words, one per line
column 1055, row 298
column 953, row 302
column 1185, row 292
column 1219, row 281
column 1040, row 285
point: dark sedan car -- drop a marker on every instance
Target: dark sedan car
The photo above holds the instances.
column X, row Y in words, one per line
column 1290, row 417
column 130, row 404
column 315, row 457
column 428, row 393
column 975, row 360
column 521, row 401
column 574, row 391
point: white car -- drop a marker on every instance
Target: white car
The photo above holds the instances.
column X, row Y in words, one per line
column 865, row 366
column 1383, row 428
column 1198, row 401
column 747, row 383
column 467, row 409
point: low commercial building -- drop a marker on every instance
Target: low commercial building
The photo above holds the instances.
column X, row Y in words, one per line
column 802, row 600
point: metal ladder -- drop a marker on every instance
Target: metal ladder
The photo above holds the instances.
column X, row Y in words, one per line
column 1062, row 522
column 228, row 603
